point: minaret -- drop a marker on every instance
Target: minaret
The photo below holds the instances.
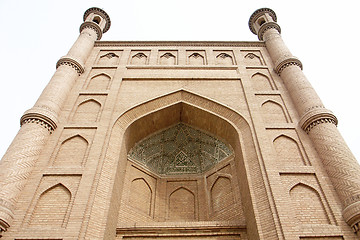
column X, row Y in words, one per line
column 41, row 120
column 318, row 122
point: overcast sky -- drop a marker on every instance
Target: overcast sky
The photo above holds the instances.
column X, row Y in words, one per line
column 324, row 35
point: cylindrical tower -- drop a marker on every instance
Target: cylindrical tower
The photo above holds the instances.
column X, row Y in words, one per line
column 41, row 120
column 318, row 122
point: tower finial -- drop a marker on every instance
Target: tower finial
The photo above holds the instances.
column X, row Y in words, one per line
column 97, row 19
column 261, row 20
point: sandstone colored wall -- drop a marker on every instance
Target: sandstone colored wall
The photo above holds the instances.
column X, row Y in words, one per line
column 273, row 187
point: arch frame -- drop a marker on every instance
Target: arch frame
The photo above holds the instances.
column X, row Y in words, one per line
column 218, row 176
column 150, row 213
column 240, row 136
column 327, row 210
column 302, row 152
column 96, row 75
column 276, row 103
column 65, row 140
column 82, row 103
column 70, row 188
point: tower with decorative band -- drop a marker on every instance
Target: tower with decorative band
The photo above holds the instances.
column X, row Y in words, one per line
column 317, row 121
column 41, row 120
column 179, row 140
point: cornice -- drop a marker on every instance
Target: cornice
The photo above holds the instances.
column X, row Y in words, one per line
column 183, row 67
column 316, row 116
column 38, row 120
column 93, row 26
column 267, row 26
column 42, row 116
column 352, row 216
column 72, row 63
column 285, row 62
column 179, row 44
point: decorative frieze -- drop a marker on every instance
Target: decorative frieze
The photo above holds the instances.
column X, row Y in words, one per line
column 72, row 63
column 252, row 58
column 281, row 64
column 316, row 116
column 177, row 44
column 352, row 216
column 266, row 26
column 35, row 116
column 92, row 26
column 40, row 122
column 108, row 58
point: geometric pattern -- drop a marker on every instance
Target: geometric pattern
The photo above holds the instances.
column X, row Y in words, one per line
column 179, row 149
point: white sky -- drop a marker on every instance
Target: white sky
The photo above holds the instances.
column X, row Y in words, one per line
column 322, row 34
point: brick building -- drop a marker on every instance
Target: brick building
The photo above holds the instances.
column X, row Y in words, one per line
column 179, row 140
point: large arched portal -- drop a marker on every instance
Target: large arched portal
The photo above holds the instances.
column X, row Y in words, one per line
column 210, row 200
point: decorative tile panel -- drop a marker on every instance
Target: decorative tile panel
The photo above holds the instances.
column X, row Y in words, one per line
column 180, row 149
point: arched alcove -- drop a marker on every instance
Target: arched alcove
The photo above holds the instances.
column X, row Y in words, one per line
column 167, row 59
column 222, row 195
column 51, row 207
column 72, row 152
column 288, row 151
column 253, row 60
column 261, row 82
column 141, row 195
column 201, row 113
column 196, row 59
column 181, row 205
column 87, row 111
column 273, row 112
column 224, row 59
column 109, row 59
column 139, row 59
column 100, row 82
column 308, row 206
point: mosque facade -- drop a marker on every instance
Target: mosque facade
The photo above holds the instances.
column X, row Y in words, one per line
column 179, row 140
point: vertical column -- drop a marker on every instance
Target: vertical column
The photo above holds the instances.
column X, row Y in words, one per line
column 38, row 122
column 316, row 120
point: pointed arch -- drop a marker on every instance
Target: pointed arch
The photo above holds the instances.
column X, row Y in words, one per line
column 87, row 111
column 72, row 151
column 308, row 206
column 181, row 205
column 139, row 58
column 261, row 82
column 167, row 59
column 109, row 58
column 224, row 59
column 252, row 59
column 52, row 206
column 99, row 82
column 196, row 59
column 221, row 194
column 288, row 151
column 163, row 111
column 141, row 195
column 273, row 112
